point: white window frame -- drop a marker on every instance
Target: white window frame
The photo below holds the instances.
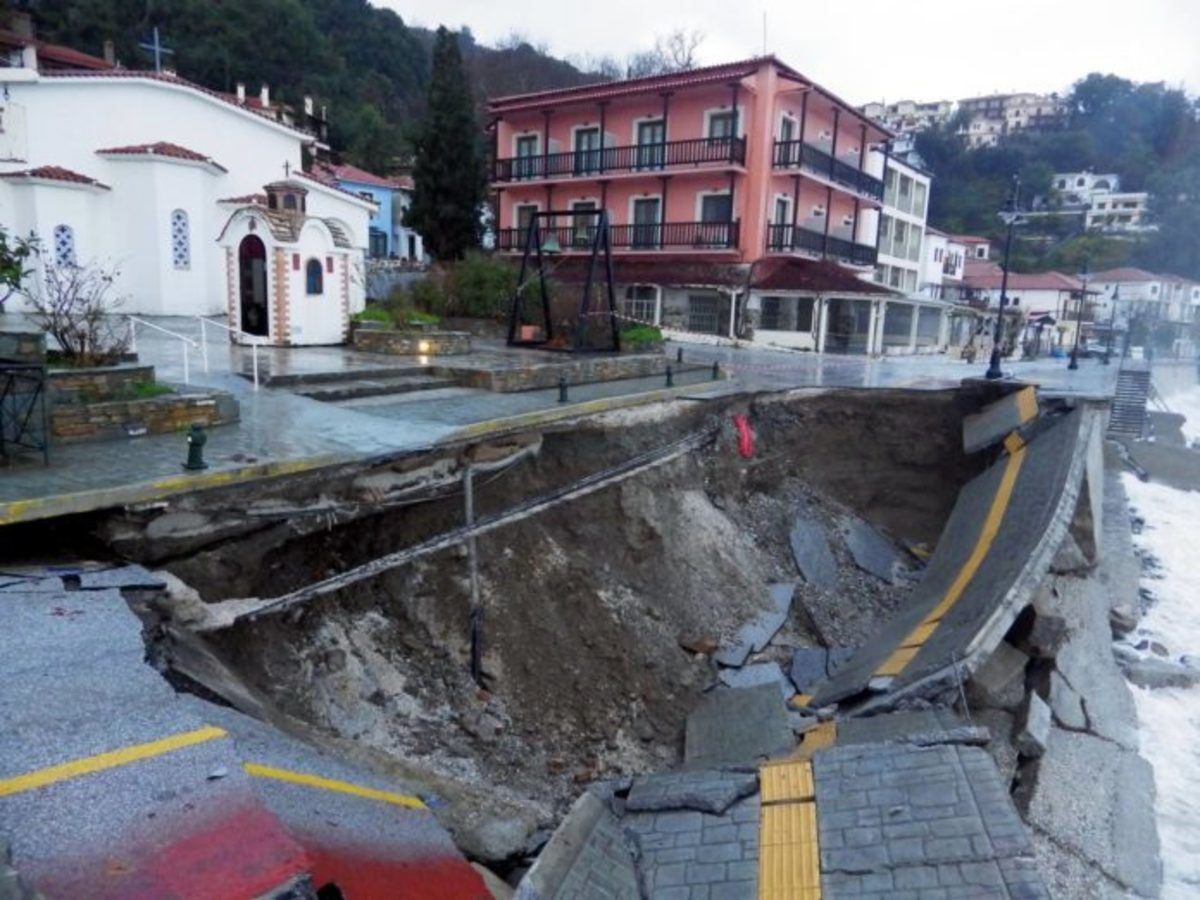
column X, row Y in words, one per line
column 786, row 198
column 187, row 240
column 779, row 126
column 658, row 299
column 662, row 207
column 725, row 110
column 641, row 120
column 525, row 134
column 516, row 206
column 595, row 126
column 723, row 192
column 71, row 258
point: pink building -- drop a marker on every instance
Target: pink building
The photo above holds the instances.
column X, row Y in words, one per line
column 710, row 170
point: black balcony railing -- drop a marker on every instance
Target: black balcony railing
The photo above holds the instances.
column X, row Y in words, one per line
column 633, row 158
column 796, row 154
column 656, row 236
column 791, row 238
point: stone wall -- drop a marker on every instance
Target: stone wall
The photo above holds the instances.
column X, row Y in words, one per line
column 23, row 346
column 580, row 370
column 412, row 343
column 98, row 383
column 78, row 422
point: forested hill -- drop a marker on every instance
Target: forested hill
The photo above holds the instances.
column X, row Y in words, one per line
column 1148, row 134
column 362, row 61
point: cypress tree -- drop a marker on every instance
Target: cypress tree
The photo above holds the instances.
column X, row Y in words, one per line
column 448, row 170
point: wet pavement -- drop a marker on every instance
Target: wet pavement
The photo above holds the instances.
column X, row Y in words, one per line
column 281, row 428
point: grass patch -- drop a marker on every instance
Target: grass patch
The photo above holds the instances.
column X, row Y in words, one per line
column 636, row 336
column 373, row 314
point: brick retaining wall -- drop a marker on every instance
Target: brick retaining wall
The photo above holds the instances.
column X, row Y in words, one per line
column 78, row 422
column 583, row 370
column 412, row 343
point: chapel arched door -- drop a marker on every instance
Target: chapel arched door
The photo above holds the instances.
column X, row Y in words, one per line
column 252, row 286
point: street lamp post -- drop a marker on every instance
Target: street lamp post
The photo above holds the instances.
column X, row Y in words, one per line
column 1074, row 364
column 1010, row 218
column 1112, row 323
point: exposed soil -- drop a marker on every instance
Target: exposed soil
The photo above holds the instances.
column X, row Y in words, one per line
column 587, row 604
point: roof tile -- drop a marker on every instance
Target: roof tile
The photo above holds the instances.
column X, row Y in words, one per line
column 55, row 173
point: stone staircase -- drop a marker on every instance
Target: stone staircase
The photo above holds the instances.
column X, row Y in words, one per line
column 333, row 387
column 1128, row 418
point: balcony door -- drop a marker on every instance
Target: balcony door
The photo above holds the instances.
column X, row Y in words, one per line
column 647, row 216
column 587, row 151
column 651, row 139
column 527, row 161
column 583, row 222
column 716, row 212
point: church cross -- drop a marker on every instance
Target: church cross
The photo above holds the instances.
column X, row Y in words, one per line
column 287, row 169
column 155, row 46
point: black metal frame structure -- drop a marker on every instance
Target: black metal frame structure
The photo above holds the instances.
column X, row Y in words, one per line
column 535, row 248
column 23, row 417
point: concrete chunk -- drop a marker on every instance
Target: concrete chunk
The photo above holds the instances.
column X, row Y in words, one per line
column 757, row 633
column 705, row 791
column 1000, row 681
column 809, row 666
column 1065, row 704
column 814, row 559
column 1034, row 730
column 759, row 673
column 872, row 552
column 738, row 726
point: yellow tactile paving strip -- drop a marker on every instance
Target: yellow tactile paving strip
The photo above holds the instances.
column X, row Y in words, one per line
column 789, row 858
column 904, row 654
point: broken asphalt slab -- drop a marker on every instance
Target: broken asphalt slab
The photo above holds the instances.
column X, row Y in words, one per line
column 814, row 559
column 759, row 673
column 753, row 636
column 737, row 727
column 871, row 551
column 704, row 791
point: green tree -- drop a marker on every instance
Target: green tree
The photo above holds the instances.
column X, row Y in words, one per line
column 448, row 171
column 16, row 262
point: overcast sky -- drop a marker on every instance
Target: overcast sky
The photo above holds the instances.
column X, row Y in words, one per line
column 870, row 49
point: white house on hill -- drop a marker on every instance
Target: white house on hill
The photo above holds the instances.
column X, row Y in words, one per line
column 152, row 173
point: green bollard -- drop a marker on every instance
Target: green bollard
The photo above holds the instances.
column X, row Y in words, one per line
column 670, row 377
column 196, row 440
column 716, row 370
column 562, row 388
column 679, row 355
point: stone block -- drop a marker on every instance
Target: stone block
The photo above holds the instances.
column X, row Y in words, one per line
column 737, row 727
column 1000, row 681
column 754, row 635
column 759, row 673
column 808, row 667
column 1033, row 728
column 710, row 792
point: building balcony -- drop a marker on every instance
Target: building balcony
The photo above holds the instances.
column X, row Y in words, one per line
column 799, row 155
column 660, row 236
column 794, row 239
column 636, row 158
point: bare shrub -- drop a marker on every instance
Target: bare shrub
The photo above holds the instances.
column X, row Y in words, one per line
column 76, row 307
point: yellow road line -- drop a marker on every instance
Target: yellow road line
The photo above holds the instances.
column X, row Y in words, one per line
column 330, row 784
column 789, row 858
column 912, row 643
column 110, row 760
column 1027, row 405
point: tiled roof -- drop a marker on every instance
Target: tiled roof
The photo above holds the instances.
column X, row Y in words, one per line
column 168, row 78
column 163, row 148
column 769, row 275
column 722, row 73
column 1021, row 281
column 1126, row 274
column 968, row 239
column 332, row 186
column 246, row 200
column 347, row 172
column 55, row 53
column 55, row 173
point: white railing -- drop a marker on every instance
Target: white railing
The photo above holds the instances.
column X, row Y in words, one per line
column 134, row 322
column 253, row 340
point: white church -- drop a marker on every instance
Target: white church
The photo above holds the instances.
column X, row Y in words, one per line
column 197, row 197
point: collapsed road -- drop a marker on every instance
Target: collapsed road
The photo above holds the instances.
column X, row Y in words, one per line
column 634, row 580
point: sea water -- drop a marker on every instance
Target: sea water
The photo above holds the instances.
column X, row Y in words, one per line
column 1169, row 718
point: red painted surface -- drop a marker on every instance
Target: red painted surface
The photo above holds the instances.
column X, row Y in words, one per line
column 745, row 436
column 243, row 853
column 363, row 875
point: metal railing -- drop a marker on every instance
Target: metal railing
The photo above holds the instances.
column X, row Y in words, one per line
column 630, row 158
column 786, row 238
column 797, row 154
column 23, row 418
column 254, row 340
column 186, row 341
column 650, row 236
